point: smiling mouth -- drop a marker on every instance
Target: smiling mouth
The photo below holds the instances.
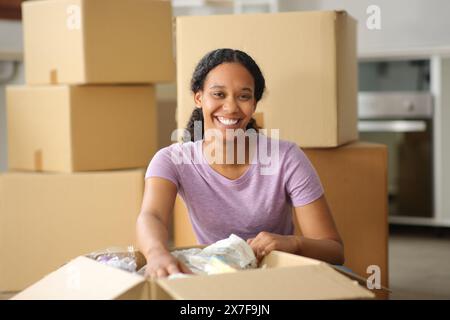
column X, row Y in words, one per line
column 228, row 121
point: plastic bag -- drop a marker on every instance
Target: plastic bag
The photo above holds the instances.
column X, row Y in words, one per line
column 125, row 259
column 234, row 251
column 225, row 255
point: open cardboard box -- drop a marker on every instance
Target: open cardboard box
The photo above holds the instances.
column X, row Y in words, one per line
column 280, row 276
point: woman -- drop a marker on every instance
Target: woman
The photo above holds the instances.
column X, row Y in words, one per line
column 227, row 191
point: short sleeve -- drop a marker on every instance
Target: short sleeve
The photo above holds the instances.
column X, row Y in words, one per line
column 301, row 180
column 162, row 166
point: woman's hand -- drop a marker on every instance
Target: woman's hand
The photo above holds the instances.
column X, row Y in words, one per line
column 160, row 264
column 265, row 242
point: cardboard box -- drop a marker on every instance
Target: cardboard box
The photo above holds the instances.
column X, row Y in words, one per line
column 183, row 233
column 100, row 41
column 166, row 122
column 284, row 276
column 65, row 128
column 354, row 177
column 47, row 219
column 308, row 60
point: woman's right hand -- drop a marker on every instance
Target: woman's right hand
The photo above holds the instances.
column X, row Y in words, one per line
column 160, row 264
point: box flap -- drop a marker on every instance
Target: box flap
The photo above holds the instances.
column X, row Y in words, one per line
column 361, row 280
column 278, row 259
column 86, row 279
column 315, row 281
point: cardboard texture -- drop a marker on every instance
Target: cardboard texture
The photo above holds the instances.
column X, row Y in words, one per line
column 98, row 41
column 284, row 276
column 354, row 177
column 47, row 219
column 65, row 128
column 307, row 58
column 166, row 122
column 259, row 118
column 183, row 233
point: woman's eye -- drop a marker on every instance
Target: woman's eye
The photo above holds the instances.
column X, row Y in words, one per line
column 218, row 94
column 245, row 97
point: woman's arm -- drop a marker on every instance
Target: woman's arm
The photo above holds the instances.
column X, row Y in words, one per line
column 320, row 238
column 152, row 227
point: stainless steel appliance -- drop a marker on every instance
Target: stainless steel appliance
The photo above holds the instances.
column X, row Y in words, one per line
column 402, row 121
column 395, row 107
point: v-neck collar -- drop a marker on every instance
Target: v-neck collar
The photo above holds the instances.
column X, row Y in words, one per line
column 241, row 179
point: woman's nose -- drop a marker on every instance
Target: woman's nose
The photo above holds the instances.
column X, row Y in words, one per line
column 230, row 106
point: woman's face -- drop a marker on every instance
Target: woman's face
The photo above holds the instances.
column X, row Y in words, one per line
column 227, row 98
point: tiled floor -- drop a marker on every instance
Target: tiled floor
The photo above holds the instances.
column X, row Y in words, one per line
column 419, row 264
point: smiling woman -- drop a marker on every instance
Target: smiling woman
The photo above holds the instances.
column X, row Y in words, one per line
column 211, row 72
column 239, row 197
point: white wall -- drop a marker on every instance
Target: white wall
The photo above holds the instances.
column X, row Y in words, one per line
column 10, row 45
column 405, row 24
column 445, row 140
column 18, row 78
column 10, row 35
column 441, row 92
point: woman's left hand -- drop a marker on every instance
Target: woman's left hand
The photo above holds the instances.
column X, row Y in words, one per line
column 265, row 242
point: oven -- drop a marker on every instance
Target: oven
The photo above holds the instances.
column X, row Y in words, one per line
column 395, row 108
column 403, row 122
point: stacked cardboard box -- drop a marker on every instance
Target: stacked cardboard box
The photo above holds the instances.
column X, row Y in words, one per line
column 309, row 62
column 65, row 128
column 48, row 218
column 88, row 105
column 311, row 77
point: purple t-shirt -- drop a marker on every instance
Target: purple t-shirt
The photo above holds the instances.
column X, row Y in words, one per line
column 259, row 200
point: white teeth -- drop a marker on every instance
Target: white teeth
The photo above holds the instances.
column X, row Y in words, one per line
column 227, row 122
